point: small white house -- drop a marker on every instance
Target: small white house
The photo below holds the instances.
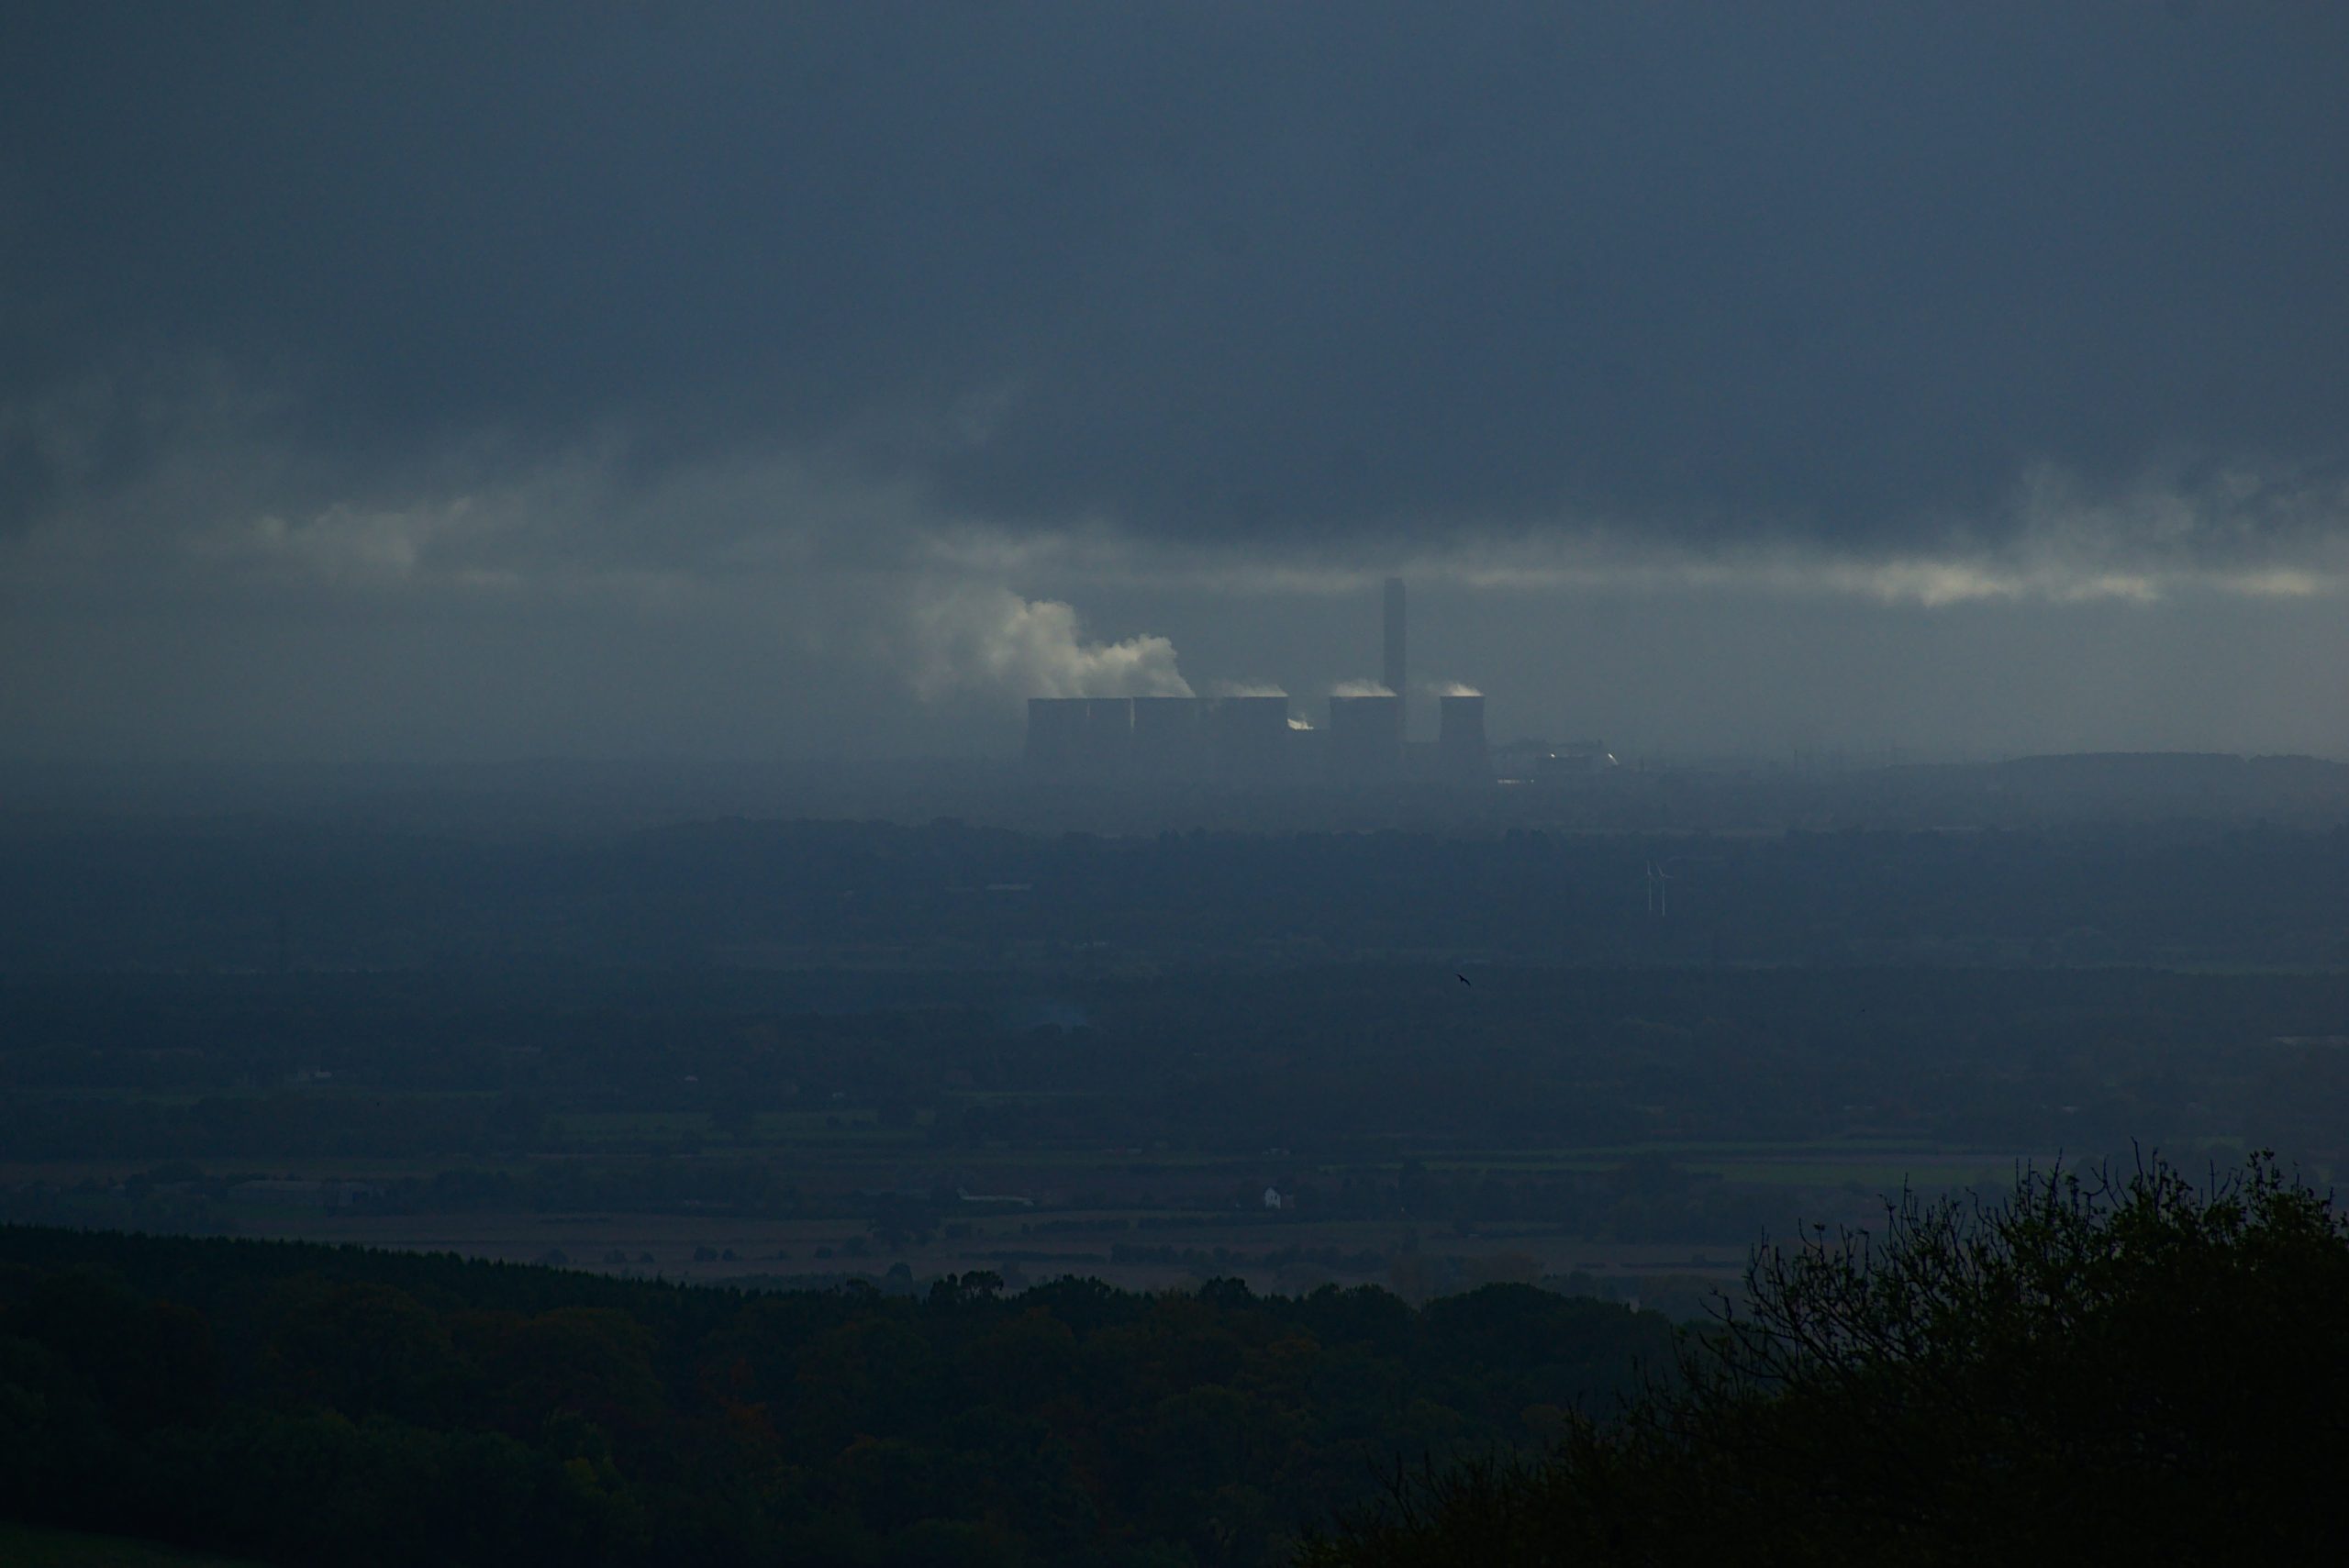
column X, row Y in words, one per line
column 1273, row 1198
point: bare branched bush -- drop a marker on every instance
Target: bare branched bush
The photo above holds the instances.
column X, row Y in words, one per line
column 2119, row 1361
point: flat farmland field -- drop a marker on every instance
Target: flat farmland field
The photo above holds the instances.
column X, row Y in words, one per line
column 1285, row 1257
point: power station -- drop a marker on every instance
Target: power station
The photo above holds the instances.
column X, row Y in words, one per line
column 1255, row 741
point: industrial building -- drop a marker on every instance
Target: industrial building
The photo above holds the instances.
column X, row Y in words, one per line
column 1365, row 743
column 1252, row 740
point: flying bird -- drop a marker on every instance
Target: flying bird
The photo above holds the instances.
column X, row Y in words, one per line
column 1461, row 978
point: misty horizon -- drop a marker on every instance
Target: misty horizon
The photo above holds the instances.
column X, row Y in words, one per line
column 1677, row 681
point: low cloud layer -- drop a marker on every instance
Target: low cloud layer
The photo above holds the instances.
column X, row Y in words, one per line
column 1846, row 274
column 896, row 365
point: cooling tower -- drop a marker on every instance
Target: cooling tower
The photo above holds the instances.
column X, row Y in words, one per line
column 1172, row 739
column 1460, row 747
column 1365, row 739
column 1109, row 736
column 1073, row 740
column 1055, row 737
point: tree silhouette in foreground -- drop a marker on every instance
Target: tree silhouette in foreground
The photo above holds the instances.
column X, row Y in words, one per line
column 2119, row 1366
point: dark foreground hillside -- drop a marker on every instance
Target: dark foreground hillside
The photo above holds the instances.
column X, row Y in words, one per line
column 2130, row 1371
column 307, row 1405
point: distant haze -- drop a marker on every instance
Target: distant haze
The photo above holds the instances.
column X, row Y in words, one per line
column 797, row 380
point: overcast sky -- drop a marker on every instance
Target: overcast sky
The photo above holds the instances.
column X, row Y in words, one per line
column 478, row 381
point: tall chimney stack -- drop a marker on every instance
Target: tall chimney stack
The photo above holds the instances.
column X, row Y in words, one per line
column 1395, row 670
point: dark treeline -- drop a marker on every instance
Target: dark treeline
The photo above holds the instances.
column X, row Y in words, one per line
column 305, row 1405
column 247, row 895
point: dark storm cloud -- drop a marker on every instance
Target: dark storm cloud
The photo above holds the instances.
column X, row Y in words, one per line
column 1840, row 273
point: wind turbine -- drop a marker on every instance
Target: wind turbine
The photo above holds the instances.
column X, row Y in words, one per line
column 1660, row 881
column 1659, row 889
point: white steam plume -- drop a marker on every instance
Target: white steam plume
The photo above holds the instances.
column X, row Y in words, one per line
column 1454, row 689
column 992, row 640
column 1360, row 689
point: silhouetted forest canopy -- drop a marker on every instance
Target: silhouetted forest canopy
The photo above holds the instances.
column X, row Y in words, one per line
column 303, row 1405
